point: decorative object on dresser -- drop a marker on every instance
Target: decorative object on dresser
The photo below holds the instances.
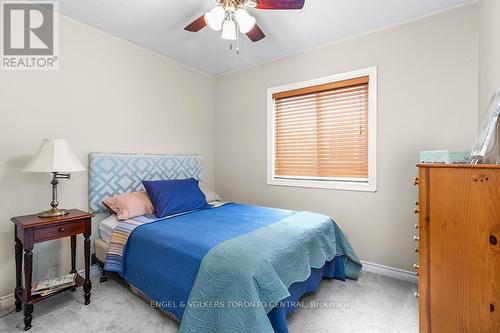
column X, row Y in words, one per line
column 445, row 156
column 489, row 133
column 458, row 250
column 56, row 156
column 31, row 229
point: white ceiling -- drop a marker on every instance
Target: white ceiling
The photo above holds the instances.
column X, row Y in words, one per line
column 158, row 25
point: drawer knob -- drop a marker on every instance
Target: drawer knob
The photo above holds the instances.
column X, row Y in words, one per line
column 416, row 238
column 61, row 229
column 416, row 294
column 492, row 307
column 417, row 250
column 416, row 266
column 417, row 226
column 416, row 181
column 493, row 240
column 417, row 203
column 416, row 210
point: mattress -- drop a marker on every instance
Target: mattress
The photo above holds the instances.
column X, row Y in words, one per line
column 101, row 250
column 106, row 228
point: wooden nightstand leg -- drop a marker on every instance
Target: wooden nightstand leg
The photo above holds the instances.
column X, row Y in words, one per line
column 87, row 285
column 73, row 257
column 28, row 267
column 19, row 268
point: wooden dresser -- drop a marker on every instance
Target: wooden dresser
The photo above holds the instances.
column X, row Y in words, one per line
column 458, row 248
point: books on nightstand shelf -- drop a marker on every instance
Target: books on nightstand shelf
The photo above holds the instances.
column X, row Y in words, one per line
column 47, row 287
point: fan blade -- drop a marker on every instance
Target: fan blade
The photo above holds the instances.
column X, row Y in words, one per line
column 197, row 24
column 281, row 4
column 255, row 34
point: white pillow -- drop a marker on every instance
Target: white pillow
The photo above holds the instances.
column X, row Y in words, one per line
column 209, row 195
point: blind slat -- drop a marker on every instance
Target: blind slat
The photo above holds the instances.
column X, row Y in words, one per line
column 357, row 97
column 343, row 91
column 319, row 104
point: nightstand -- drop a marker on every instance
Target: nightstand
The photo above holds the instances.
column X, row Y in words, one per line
column 31, row 229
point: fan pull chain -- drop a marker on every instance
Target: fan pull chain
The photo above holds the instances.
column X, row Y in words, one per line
column 237, row 37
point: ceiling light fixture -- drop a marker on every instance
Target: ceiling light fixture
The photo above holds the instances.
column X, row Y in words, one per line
column 215, row 17
column 231, row 20
column 229, row 30
column 245, row 21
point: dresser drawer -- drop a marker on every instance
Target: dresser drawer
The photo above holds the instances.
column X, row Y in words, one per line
column 58, row 231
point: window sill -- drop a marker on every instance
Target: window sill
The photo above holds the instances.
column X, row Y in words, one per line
column 325, row 184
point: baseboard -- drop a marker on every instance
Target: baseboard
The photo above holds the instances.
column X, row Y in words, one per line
column 392, row 272
column 7, row 301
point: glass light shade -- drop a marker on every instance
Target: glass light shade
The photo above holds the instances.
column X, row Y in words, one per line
column 54, row 155
column 246, row 22
column 229, row 30
column 215, row 17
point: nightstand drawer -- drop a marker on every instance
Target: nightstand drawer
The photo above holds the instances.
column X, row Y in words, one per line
column 58, row 231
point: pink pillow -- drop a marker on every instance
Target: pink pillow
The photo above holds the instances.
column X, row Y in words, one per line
column 129, row 205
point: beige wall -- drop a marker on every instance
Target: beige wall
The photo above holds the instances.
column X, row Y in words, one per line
column 427, row 100
column 489, row 52
column 108, row 95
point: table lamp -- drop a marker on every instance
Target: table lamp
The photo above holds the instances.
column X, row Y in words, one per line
column 55, row 156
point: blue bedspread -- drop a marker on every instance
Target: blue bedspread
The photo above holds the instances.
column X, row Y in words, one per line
column 172, row 260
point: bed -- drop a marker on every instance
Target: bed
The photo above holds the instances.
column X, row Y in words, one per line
column 229, row 268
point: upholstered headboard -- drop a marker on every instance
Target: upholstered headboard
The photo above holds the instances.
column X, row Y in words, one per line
column 112, row 174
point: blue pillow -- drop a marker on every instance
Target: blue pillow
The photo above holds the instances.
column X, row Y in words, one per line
column 175, row 196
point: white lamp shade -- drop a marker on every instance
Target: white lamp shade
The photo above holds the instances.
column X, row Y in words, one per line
column 215, row 17
column 229, row 30
column 246, row 22
column 54, row 155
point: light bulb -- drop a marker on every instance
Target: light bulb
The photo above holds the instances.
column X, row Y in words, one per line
column 215, row 17
column 229, row 30
column 246, row 22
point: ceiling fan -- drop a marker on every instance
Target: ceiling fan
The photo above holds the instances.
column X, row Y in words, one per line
column 232, row 18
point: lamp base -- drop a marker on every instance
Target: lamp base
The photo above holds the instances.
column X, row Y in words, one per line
column 53, row 213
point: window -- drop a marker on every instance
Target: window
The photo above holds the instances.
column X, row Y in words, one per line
column 322, row 133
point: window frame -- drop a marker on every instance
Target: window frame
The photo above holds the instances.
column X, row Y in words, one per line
column 332, row 183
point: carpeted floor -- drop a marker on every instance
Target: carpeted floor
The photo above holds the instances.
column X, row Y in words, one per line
column 374, row 303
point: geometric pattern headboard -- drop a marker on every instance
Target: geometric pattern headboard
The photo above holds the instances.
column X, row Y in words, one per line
column 112, row 174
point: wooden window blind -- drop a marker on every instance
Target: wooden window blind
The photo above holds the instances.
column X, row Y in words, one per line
column 321, row 132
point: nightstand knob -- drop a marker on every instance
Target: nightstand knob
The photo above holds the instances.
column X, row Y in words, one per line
column 416, row 294
column 417, row 226
column 417, row 250
column 416, row 181
column 416, row 210
column 416, row 238
column 61, row 229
